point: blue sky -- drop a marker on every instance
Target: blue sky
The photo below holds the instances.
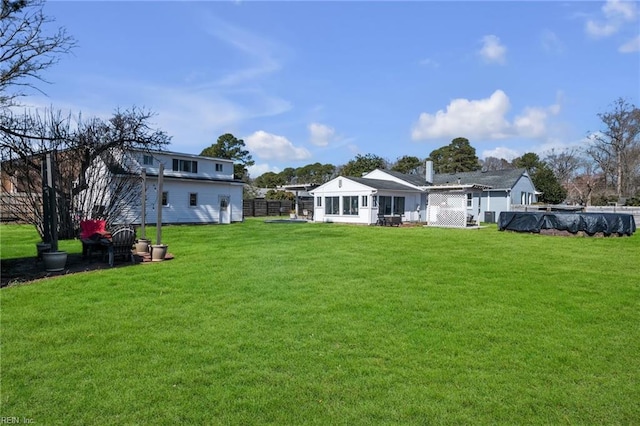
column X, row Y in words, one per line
column 306, row 82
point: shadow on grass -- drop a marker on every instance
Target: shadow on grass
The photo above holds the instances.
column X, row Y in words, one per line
column 25, row 270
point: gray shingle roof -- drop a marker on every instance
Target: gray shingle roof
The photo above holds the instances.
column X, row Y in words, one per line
column 497, row 179
column 381, row 184
column 418, row 180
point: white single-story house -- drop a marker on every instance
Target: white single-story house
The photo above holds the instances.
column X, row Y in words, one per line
column 440, row 200
column 195, row 189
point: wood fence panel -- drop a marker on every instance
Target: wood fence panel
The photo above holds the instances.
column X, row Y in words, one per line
column 259, row 208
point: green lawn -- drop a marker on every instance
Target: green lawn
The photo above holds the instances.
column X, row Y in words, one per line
column 289, row 324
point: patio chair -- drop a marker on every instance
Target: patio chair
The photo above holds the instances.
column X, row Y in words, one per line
column 122, row 241
column 93, row 235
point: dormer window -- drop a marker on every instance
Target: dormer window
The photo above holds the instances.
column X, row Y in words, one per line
column 189, row 166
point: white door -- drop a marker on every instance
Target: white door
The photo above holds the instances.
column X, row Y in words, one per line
column 225, row 213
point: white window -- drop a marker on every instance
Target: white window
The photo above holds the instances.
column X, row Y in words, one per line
column 469, row 200
column 147, row 160
column 165, row 198
column 365, row 201
column 318, row 201
column 332, row 205
column 193, row 199
column 188, row 166
column 350, row 205
column 218, row 167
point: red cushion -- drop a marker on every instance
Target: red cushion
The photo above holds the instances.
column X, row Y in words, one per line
column 90, row 227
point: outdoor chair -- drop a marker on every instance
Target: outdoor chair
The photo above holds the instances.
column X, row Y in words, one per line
column 470, row 220
column 122, row 241
column 93, row 234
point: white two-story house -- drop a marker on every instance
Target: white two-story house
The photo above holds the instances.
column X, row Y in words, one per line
column 195, row 189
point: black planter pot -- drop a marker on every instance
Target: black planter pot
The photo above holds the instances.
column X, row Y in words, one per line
column 54, row 261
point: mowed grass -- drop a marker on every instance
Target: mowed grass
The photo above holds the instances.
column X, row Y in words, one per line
column 256, row 323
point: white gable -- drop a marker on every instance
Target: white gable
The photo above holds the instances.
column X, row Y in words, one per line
column 341, row 184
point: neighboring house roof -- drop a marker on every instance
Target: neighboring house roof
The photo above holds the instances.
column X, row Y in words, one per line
column 414, row 179
column 496, row 179
column 381, row 184
column 179, row 154
column 493, row 180
column 153, row 171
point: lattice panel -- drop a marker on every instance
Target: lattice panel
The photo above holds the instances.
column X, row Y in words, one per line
column 447, row 209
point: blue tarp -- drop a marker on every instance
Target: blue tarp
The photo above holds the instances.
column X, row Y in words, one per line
column 590, row 223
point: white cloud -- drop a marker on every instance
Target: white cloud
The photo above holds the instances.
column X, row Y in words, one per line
column 631, row 46
column 260, row 51
column 532, row 123
column 268, row 146
column 483, row 119
column 616, row 9
column 596, row 29
column 321, row 134
column 500, row 152
column 550, row 42
column 260, row 169
column 430, row 63
column 492, row 50
column 179, row 108
column 616, row 14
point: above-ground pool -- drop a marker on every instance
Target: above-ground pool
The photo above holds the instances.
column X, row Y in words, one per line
column 568, row 223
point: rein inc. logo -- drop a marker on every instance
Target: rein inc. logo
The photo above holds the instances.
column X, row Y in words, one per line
column 11, row 420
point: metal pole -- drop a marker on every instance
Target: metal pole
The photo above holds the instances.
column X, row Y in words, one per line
column 46, row 214
column 159, row 220
column 52, row 201
column 143, row 212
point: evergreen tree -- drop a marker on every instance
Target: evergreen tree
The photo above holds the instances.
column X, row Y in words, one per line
column 231, row 148
column 363, row 164
column 458, row 156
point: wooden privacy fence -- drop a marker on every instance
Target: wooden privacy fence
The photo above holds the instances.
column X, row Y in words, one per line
column 266, row 207
column 258, row 207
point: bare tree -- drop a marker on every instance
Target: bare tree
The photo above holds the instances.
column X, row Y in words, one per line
column 95, row 177
column 495, row 163
column 615, row 149
column 586, row 183
column 26, row 47
column 564, row 164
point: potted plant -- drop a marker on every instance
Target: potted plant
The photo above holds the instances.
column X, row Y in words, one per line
column 142, row 245
column 54, row 261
